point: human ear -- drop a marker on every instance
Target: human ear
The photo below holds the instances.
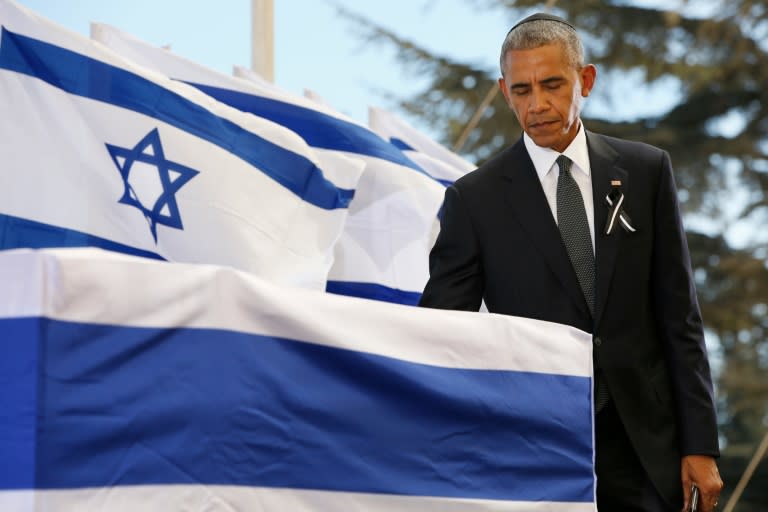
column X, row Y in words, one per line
column 587, row 75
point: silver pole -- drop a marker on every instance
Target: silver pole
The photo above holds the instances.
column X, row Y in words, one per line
column 744, row 480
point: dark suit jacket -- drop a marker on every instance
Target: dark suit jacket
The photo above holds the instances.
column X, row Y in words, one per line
column 499, row 242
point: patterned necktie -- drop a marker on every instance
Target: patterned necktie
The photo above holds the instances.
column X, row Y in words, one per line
column 574, row 230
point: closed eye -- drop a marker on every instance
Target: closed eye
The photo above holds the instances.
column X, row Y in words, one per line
column 553, row 83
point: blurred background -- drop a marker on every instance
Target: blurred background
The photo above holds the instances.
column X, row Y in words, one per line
column 688, row 76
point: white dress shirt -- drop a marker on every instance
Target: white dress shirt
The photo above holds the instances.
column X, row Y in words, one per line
column 544, row 160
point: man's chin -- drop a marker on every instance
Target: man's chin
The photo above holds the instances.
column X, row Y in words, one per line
column 544, row 141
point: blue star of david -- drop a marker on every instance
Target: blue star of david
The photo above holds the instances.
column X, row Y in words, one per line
column 149, row 151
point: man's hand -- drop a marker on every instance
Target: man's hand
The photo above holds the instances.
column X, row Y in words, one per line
column 701, row 470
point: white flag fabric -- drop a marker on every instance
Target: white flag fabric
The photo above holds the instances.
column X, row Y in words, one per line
column 97, row 151
column 132, row 384
column 383, row 250
column 439, row 161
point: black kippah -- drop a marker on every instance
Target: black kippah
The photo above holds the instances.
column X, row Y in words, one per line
column 542, row 16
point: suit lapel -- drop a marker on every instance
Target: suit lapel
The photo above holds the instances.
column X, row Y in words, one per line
column 524, row 194
column 602, row 159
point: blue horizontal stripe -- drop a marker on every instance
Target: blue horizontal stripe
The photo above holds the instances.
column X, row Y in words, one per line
column 83, row 76
column 18, row 233
column 131, row 406
column 373, row 291
column 18, row 402
column 401, row 144
column 318, row 129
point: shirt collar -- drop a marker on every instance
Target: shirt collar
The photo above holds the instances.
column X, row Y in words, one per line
column 544, row 158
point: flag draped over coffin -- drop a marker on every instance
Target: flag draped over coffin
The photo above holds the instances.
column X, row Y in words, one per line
column 133, row 384
column 382, row 252
column 100, row 152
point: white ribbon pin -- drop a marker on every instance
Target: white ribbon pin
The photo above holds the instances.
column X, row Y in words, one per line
column 615, row 200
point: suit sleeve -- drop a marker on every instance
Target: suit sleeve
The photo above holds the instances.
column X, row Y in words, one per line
column 679, row 324
column 456, row 278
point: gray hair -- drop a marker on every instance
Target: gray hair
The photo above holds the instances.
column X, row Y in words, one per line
column 536, row 33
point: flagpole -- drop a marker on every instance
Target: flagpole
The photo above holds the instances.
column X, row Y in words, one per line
column 472, row 124
column 744, row 480
column 262, row 38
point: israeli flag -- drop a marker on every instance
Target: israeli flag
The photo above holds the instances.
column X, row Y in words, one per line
column 443, row 164
column 383, row 250
column 123, row 391
column 97, row 151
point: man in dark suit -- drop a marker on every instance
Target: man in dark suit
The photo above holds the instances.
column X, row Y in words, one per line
column 582, row 229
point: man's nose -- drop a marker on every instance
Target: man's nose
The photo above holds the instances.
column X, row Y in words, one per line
column 539, row 102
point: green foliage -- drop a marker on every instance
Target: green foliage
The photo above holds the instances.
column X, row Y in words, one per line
column 733, row 292
column 716, row 51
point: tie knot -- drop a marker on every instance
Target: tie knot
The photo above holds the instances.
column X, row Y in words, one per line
column 564, row 163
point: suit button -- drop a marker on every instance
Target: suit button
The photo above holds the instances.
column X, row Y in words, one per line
column 597, row 341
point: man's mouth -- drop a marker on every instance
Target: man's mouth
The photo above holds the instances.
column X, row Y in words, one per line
column 541, row 124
